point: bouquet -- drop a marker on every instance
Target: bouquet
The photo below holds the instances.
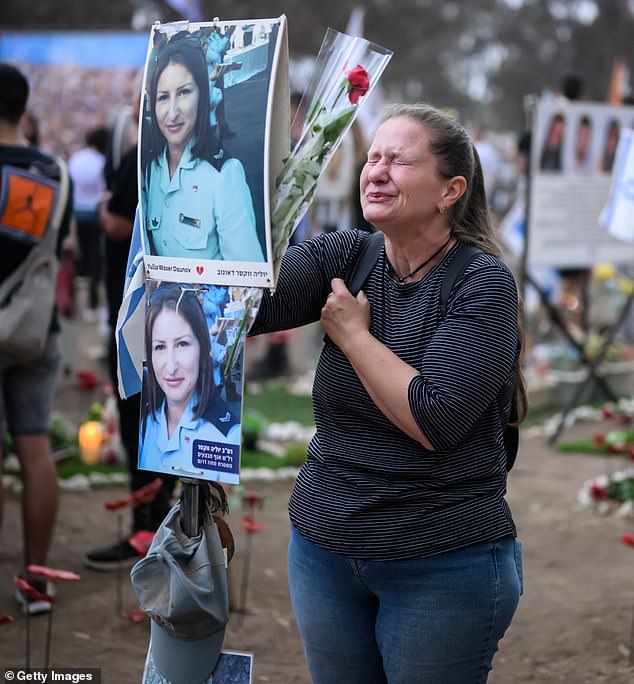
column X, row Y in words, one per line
column 346, row 70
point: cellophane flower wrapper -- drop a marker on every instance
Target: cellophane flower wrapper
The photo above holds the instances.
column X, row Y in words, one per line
column 251, row 298
column 346, row 70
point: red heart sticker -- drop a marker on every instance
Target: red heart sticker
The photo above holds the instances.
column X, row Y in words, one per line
column 200, row 270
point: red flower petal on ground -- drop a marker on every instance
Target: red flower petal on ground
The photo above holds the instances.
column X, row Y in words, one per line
column 32, row 592
column 140, row 541
column 358, row 83
column 598, row 492
column 628, row 538
column 53, row 573
column 251, row 526
column 5, row 618
column 599, row 439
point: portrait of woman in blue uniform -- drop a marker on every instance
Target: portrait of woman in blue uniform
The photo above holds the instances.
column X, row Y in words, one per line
column 187, row 428
column 196, row 202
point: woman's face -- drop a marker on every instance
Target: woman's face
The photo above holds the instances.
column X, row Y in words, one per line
column 400, row 183
column 176, row 104
column 175, row 357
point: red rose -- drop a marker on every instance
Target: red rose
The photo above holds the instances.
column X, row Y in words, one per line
column 358, row 83
column 598, row 492
column 628, row 538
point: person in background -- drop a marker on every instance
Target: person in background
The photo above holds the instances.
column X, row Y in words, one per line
column 27, row 389
column 116, row 214
column 403, row 561
column 86, row 167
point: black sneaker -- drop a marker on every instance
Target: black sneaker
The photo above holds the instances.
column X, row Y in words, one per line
column 116, row 557
column 34, row 600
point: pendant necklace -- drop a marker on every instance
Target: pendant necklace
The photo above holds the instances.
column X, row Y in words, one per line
column 402, row 280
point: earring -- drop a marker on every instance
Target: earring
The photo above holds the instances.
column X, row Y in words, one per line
column 442, row 208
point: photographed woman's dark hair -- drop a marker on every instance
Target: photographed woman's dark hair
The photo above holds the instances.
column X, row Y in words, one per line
column 185, row 49
column 183, row 300
column 469, row 217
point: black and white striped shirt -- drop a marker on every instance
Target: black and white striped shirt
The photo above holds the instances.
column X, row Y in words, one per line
column 367, row 490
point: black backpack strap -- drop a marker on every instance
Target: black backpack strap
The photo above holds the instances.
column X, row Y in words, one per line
column 362, row 264
column 367, row 257
column 462, row 258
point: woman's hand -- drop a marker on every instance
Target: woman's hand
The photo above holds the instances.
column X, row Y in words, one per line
column 386, row 378
column 344, row 317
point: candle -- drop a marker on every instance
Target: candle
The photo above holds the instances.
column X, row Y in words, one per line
column 90, row 441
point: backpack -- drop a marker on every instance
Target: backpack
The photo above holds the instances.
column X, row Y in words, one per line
column 27, row 295
column 358, row 272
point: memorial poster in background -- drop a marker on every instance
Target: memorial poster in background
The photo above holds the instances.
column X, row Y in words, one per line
column 572, row 155
column 213, row 135
column 191, row 398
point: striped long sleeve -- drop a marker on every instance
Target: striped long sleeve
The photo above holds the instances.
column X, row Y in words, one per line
column 367, row 490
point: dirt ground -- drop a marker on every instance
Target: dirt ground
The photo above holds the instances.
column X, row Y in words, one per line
column 574, row 623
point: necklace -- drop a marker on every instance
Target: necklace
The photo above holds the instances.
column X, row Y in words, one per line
column 402, row 280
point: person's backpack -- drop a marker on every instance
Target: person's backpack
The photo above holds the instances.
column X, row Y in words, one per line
column 358, row 273
column 33, row 209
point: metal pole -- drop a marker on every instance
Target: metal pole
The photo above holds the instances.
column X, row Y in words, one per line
column 49, row 637
column 119, row 579
column 530, row 105
column 190, row 512
column 631, row 658
column 28, row 639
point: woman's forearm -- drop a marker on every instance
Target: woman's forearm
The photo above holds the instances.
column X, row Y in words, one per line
column 386, row 379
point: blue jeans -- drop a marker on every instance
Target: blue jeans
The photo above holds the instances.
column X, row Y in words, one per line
column 434, row 620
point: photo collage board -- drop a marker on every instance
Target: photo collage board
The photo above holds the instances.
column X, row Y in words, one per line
column 573, row 151
column 213, row 132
